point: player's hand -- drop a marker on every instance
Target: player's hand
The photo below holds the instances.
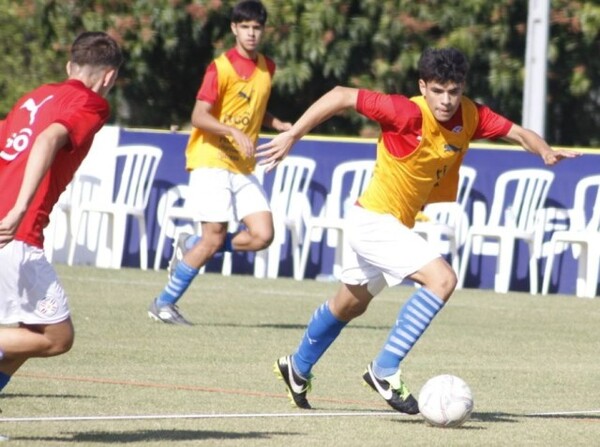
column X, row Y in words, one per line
column 243, row 141
column 8, row 227
column 284, row 126
column 272, row 152
column 552, row 157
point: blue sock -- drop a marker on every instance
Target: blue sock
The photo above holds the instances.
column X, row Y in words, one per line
column 413, row 319
column 227, row 245
column 194, row 239
column 4, row 379
column 191, row 241
column 323, row 328
column 178, row 283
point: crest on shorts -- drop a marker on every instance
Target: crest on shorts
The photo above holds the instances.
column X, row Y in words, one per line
column 47, row 307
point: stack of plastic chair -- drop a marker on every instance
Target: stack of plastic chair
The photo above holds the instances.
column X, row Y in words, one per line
column 447, row 222
column 135, row 167
column 290, row 206
column 518, row 195
column 348, row 181
column 583, row 235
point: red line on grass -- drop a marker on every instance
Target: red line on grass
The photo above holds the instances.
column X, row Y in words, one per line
column 183, row 387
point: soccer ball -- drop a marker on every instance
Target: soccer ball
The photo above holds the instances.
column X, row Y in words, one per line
column 445, row 401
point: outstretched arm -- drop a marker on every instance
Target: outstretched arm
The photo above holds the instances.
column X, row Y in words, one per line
column 535, row 144
column 332, row 102
column 43, row 151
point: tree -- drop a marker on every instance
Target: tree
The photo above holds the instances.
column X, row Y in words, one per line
column 316, row 44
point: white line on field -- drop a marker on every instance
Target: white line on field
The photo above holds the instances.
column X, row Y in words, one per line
column 565, row 413
column 198, row 416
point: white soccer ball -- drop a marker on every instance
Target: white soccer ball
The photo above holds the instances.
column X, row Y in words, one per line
column 446, row 401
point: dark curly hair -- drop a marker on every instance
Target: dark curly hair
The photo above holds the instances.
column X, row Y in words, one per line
column 443, row 65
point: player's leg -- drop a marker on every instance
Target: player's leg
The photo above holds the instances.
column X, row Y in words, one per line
column 360, row 283
column 257, row 234
column 212, row 197
column 246, row 201
column 401, row 253
column 388, row 252
column 438, row 282
column 18, row 344
column 324, row 327
column 252, row 208
column 164, row 307
column 33, row 298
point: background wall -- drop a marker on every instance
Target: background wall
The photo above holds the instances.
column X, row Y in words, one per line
column 489, row 160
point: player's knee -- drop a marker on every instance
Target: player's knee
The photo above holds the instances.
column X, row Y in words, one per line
column 63, row 346
column 59, row 338
column 263, row 238
column 446, row 283
column 213, row 242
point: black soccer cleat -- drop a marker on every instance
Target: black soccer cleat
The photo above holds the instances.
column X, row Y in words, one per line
column 297, row 386
column 393, row 390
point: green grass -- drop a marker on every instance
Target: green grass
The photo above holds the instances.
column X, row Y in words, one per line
column 520, row 355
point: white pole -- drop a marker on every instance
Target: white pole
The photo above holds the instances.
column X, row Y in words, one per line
column 536, row 57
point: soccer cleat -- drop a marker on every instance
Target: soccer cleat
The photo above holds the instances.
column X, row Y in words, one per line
column 169, row 313
column 179, row 249
column 297, row 387
column 393, row 390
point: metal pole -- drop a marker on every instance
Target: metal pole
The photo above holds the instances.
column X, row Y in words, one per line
column 536, row 57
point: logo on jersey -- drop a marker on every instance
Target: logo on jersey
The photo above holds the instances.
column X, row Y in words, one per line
column 451, row 148
column 246, row 96
column 33, row 108
column 47, row 307
column 17, row 142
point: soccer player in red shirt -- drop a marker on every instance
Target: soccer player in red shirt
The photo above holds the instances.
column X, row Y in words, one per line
column 43, row 140
column 423, row 141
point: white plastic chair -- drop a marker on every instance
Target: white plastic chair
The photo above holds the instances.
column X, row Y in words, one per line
column 357, row 173
column 448, row 223
column 583, row 235
column 291, row 208
column 85, row 187
column 136, row 165
column 518, row 195
column 171, row 213
column 80, row 190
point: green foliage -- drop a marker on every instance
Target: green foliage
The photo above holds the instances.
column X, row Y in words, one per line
column 316, row 44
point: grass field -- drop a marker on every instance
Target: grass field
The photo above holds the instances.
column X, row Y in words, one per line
column 134, row 382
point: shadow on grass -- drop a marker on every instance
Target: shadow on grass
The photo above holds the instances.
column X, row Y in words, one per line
column 484, row 417
column 112, row 437
column 289, row 326
column 44, row 396
column 580, row 416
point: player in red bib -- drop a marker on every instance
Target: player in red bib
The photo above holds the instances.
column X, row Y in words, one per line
column 43, row 140
column 423, row 141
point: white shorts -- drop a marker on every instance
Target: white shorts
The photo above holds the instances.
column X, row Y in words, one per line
column 384, row 251
column 218, row 195
column 29, row 289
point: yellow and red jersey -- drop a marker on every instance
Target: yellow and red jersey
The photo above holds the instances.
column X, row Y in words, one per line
column 418, row 158
column 241, row 102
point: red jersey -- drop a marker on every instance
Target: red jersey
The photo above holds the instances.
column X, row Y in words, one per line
column 70, row 103
column 401, row 121
column 244, row 67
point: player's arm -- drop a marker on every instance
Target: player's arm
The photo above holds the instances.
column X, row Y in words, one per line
column 331, row 103
column 204, row 120
column 42, row 154
column 535, row 144
column 275, row 123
